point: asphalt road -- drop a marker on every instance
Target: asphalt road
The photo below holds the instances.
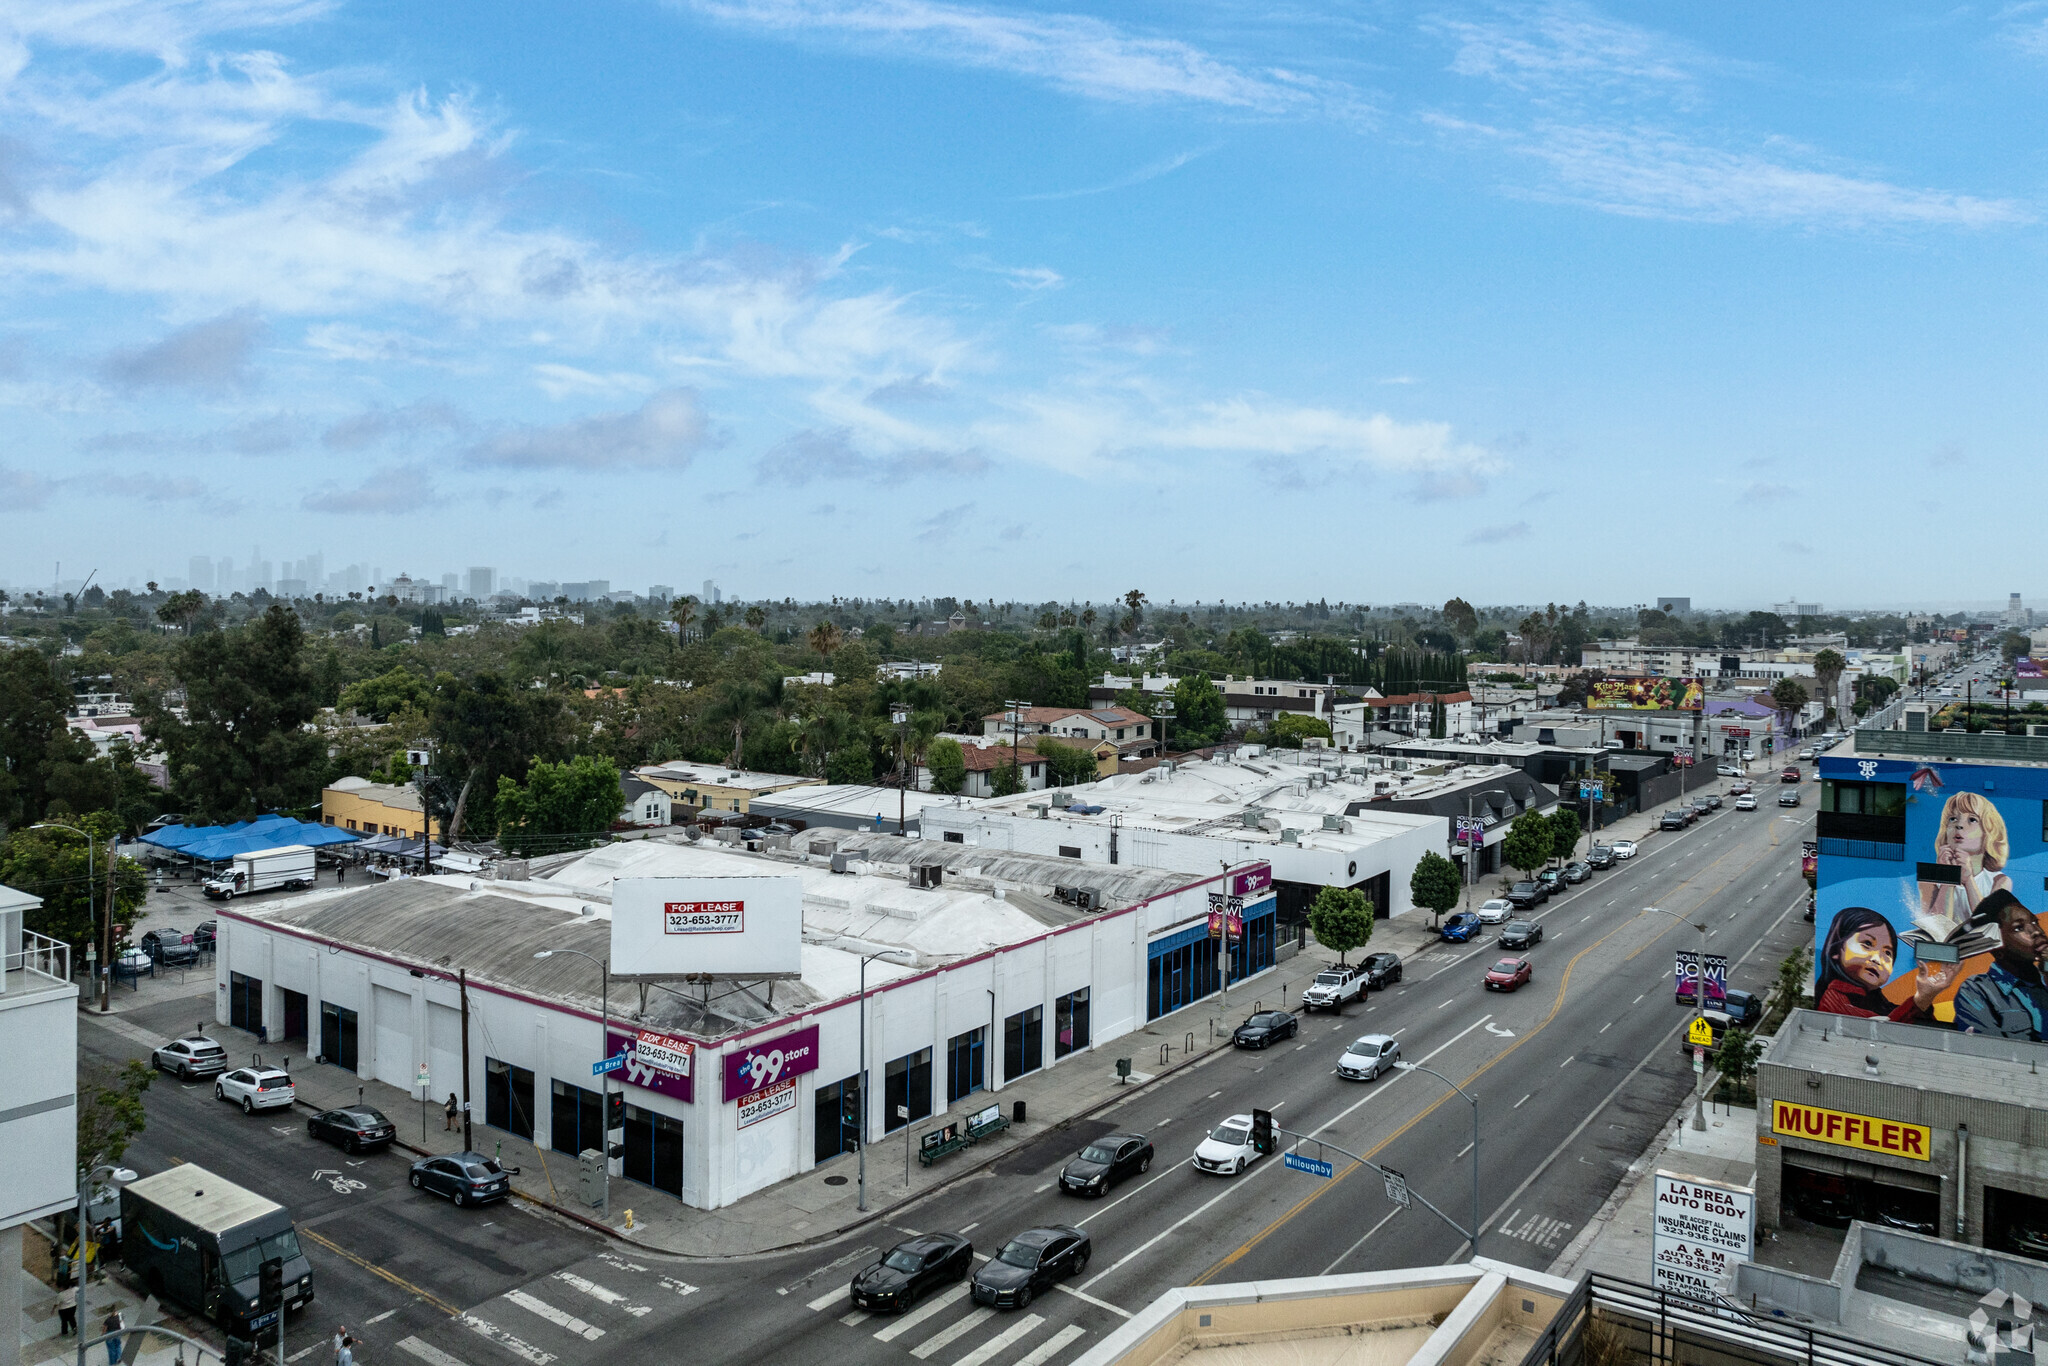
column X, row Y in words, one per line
column 1573, row 1074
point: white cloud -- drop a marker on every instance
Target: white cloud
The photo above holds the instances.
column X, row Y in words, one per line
column 1072, row 52
column 667, row 431
column 210, row 355
column 564, row 381
column 1495, row 535
column 387, row 493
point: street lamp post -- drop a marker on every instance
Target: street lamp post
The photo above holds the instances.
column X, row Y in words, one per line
column 860, row 1132
column 1472, row 850
column 120, row 1175
column 604, row 1080
column 1418, row 1067
column 106, row 963
column 1699, row 1004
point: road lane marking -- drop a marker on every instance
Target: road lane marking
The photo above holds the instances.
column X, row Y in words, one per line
column 1609, row 1025
column 1462, row 1151
column 379, row 1319
column 426, row 1352
column 1213, row 1094
column 920, row 1314
column 981, row 1355
column 561, row 1318
column 338, row 1250
column 307, row 1351
column 856, row 1318
column 1053, row 1345
column 518, row 1347
column 680, row 1287
column 1453, row 1001
column 826, row 1301
column 1361, row 1239
column 1042, row 1189
column 1568, row 1059
column 951, row 1334
column 1065, row 1289
column 601, row 1294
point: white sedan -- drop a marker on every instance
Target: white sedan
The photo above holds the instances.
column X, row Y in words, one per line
column 1228, row 1148
column 256, row 1088
column 1496, row 911
column 1624, row 848
column 1746, row 802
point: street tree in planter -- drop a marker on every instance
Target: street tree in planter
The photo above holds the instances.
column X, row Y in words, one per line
column 1529, row 843
column 1435, row 884
column 1341, row 919
column 1564, row 832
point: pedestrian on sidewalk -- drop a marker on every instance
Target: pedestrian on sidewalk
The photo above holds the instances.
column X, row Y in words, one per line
column 113, row 1326
column 67, row 1308
column 451, row 1109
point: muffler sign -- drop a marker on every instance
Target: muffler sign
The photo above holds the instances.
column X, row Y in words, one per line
column 703, row 917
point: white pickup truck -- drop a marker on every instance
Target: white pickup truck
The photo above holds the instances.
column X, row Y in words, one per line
column 289, row 865
column 1335, row 987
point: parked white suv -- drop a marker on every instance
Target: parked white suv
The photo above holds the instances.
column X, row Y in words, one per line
column 256, row 1088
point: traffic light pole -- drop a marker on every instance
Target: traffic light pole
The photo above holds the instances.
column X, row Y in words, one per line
column 1467, row 1235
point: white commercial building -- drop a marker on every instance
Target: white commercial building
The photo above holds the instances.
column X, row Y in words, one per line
column 38, row 1094
column 1305, row 818
column 996, row 966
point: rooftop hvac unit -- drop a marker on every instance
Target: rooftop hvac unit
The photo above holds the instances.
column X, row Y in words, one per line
column 1333, row 822
column 1250, row 817
column 1040, row 808
column 1087, row 898
column 1290, row 836
column 1061, row 800
column 927, row 874
column 843, row 862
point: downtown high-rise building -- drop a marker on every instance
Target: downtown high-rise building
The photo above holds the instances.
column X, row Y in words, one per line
column 482, row 581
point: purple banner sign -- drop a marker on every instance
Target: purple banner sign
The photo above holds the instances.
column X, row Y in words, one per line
column 756, row 1066
column 1251, row 881
column 656, row 1062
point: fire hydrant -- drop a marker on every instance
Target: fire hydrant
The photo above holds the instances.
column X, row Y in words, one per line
column 629, row 1219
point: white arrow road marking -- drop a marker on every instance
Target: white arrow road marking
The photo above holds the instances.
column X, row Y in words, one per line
column 1497, row 1031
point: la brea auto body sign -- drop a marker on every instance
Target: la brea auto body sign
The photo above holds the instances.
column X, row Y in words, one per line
column 1700, row 1231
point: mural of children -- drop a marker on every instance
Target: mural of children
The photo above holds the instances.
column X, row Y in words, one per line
column 2009, row 999
column 1972, row 838
column 1857, row 960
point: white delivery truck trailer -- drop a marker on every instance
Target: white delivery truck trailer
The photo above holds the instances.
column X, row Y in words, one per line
column 289, row 866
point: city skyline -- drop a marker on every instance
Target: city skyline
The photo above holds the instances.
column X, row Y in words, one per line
column 868, row 298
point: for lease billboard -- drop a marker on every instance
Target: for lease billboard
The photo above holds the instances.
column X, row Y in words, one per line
column 1928, row 895
column 1646, row 694
column 744, row 927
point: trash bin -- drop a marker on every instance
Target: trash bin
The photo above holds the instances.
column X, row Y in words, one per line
column 1016, row 1112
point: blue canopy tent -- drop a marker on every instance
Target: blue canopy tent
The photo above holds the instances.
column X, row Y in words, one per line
column 218, row 843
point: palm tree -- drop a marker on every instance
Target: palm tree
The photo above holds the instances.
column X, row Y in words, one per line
column 824, row 639
column 738, row 701
column 756, row 618
column 682, row 612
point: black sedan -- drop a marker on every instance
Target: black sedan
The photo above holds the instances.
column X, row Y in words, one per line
column 465, row 1178
column 1267, row 1026
column 353, row 1129
column 170, row 946
column 1030, row 1263
column 911, row 1270
column 1520, row 934
column 1382, row 969
column 1105, row 1162
column 1600, row 856
column 1528, row 895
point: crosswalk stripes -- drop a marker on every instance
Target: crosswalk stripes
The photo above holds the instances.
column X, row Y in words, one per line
column 960, row 1329
column 826, row 1300
column 603, row 1295
column 921, row 1313
column 518, row 1347
column 533, row 1304
column 986, row 1353
column 1053, row 1345
column 428, row 1353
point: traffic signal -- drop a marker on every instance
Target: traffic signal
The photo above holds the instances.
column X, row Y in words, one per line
column 1262, row 1131
column 615, row 1110
column 270, row 1288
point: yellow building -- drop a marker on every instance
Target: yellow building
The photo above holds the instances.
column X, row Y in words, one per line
column 374, row 808
column 712, row 787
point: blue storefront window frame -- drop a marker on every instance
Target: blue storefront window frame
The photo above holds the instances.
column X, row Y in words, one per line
column 1180, row 967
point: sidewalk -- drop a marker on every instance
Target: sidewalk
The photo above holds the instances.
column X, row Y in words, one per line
column 39, row 1338
column 823, row 1203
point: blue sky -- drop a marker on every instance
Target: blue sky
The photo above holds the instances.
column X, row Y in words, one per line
column 898, row 297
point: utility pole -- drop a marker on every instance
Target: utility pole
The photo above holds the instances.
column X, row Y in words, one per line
column 462, row 987
column 1699, row 1009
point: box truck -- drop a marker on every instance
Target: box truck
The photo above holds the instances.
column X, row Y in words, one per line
column 289, row 866
column 201, row 1240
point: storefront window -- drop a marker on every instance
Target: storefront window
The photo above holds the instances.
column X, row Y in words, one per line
column 508, row 1098
column 654, row 1150
column 836, row 1112
column 1182, row 967
column 1023, row 1043
column 575, row 1119
column 966, row 1063
column 1070, row 1023
column 907, row 1083
column 245, row 1002
column 338, row 1035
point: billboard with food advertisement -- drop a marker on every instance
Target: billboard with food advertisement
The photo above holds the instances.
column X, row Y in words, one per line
column 1929, row 895
column 1646, row 694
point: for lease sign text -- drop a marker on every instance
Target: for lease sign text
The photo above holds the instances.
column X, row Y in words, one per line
column 703, row 917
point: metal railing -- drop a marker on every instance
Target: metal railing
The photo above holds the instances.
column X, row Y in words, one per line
column 43, row 956
column 1666, row 1328
column 1936, row 744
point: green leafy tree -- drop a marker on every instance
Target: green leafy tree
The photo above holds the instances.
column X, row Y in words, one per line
column 850, row 764
column 33, row 734
column 1341, row 919
column 110, row 1109
column 243, row 747
column 1290, row 728
column 55, row 865
column 377, row 698
column 1528, row 845
column 1789, row 696
column 1737, row 1056
column 947, row 764
column 1827, row 673
column 561, row 806
column 1199, row 716
column 1007, row 779
column 483, row 728
column 1064, row 764
column 1461, row 619
column 1435, row 885
column 1564, row 831
column 182, row 609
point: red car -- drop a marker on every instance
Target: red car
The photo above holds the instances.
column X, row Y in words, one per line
column 1790, row 775
column 1507, row 974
